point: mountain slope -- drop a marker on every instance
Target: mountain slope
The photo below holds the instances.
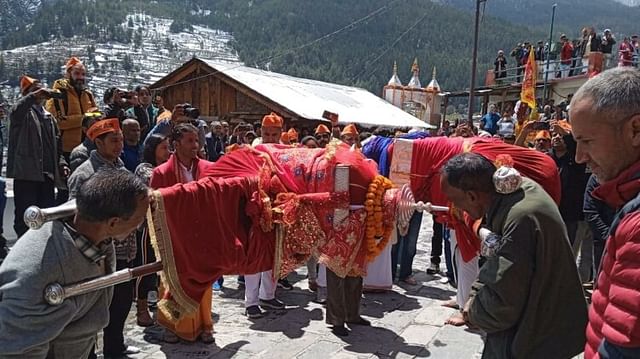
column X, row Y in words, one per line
column 629, row 2
column 153, row 52
column 361, row 55
column 443, row 39
column 16, row 12
column 571, row 15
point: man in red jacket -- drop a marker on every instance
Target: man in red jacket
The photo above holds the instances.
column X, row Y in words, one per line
column 605, row 114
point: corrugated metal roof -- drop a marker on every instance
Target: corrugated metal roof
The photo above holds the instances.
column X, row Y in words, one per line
column 310, row 98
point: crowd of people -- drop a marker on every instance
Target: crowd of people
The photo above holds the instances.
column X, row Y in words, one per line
column 569, row 57
column 61, row 146
column 60, row 141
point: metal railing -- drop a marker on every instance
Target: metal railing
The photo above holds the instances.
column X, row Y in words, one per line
column 553, row 69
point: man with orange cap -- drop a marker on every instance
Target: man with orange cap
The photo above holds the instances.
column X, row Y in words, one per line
column 34, row 160
column 323, row 135
column 271, row 128
column 542, row 141
column 293, row 135
column 260, row 288
column 81, row 152
column 349, row 134
column 109, row 142
column 573, row 179
column 69, row 109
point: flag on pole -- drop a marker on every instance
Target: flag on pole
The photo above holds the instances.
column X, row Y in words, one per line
column 528, row 92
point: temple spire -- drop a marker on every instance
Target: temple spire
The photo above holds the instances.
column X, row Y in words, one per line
column 433, row 86
column 395, row 80
column 415, row 80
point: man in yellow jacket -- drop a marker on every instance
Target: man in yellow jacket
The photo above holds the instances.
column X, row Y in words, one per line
column 74, row 101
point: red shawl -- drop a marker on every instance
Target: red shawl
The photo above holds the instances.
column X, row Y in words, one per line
column 430, row 154
column 223, row 223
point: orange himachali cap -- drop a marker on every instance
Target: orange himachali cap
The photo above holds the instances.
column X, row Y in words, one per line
column 284, row 138
column 103, row 126
column 543, row 135
column 350, row 129
column 72, row 62
column 25, row 83
column 322, row 129
column 293, row 134
column 272, row 120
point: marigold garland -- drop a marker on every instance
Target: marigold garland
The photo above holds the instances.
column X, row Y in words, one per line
column 378, row 231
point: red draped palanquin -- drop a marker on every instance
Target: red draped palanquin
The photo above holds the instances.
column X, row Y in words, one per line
column 224, row 223
column 431, row 154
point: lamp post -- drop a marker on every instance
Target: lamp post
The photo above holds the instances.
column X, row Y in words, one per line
column 474, row 63
column 546, row 67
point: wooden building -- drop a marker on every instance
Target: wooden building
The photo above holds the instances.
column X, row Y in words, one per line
column 235, row 93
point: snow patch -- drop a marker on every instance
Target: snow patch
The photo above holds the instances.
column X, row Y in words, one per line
column 159, row 53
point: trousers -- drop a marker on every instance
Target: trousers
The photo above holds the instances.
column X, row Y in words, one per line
column 466, row 273
column 144, row 255
column 402, row 253
column 31, row 193
column 343, row 299
column 259, row 286
column 436, row 242
column 118, row 311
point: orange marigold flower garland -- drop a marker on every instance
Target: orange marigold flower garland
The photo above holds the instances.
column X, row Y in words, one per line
column 377, row 233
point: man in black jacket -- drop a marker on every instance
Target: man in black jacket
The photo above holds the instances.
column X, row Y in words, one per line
column 35, row 160
column 215, row 142
column 115, row 104
column 573, row 179
column 608, row 40
column 599, row 216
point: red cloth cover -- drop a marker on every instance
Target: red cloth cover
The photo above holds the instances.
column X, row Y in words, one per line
column 223, row 224
column 430, row 154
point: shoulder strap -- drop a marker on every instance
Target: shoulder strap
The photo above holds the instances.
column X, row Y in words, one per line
column 91, row 99
column 631, row 206
column 65, row 102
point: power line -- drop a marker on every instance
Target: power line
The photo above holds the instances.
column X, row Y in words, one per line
column 388, row 48
column 349, row 27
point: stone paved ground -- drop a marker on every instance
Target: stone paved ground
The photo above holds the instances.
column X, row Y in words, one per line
column 406, row 323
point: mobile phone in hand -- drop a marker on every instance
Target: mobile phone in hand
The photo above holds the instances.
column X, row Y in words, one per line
column 541, row 125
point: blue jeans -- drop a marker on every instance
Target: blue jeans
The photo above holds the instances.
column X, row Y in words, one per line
column 448, row 256
column 611, row 351
column 402, row 253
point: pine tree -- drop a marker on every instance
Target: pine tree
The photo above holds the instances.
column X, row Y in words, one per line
column 137, row 39
column 3, row 67
column 127, row 63
column 168, row 44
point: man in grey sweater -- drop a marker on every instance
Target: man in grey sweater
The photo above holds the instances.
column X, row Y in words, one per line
column 111, row 204
column 107, row 137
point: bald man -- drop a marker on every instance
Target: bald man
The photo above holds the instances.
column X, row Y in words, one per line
column 132, row 151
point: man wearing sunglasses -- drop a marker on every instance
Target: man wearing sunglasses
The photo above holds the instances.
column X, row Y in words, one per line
column 322, row 135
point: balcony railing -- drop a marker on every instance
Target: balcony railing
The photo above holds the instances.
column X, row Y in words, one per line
column 596, row 61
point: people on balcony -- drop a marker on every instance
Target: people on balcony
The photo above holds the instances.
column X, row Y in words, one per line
column 569, row 57
column 500, row 64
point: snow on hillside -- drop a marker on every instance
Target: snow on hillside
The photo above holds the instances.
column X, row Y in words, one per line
column 160, row 52
column 629, row 2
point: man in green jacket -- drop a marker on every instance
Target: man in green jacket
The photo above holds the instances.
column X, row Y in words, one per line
column 528, row 297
